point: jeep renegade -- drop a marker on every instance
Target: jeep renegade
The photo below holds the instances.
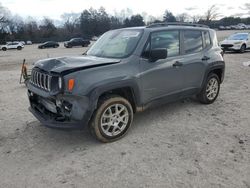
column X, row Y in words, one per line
column 124, row 72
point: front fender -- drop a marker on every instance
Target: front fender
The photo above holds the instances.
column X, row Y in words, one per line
column 99, row 89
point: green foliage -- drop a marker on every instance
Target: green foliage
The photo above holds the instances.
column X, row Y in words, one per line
column 169, row 17
column 135, row 20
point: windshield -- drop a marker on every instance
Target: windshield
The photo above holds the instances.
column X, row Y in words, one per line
column 241, row 36
column 116, row 44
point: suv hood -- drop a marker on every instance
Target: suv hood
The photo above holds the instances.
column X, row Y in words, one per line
column 65, row 65
column 231, row 41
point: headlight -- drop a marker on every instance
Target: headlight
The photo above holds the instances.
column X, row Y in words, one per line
column 237, row 42
column 60, row 82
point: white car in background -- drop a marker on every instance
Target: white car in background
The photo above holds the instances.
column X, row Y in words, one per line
column 12, row 45
column 28, row 42
column 236, row 42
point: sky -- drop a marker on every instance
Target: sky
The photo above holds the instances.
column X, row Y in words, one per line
column 55, row 8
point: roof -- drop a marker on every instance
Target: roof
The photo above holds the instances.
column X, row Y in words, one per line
column 167, row 24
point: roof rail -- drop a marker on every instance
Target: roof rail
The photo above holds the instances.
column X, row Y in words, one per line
column 165, row 24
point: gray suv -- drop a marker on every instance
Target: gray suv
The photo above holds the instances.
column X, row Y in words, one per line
column 124, row 72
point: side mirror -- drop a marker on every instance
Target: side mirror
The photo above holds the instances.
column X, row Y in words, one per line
column 158, row 53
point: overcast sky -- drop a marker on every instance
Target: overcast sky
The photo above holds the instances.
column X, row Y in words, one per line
column 54, row 8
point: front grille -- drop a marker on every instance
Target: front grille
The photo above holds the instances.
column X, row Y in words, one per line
column 41, row 80
column 226, row 45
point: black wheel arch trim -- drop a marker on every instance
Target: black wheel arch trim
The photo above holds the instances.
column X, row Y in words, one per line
column 214, row 66
column 98, row 91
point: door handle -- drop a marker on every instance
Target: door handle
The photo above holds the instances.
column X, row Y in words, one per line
column 205, row 58
column 177, row 64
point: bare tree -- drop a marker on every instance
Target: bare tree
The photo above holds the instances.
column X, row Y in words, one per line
column 212, row 13
column 196, row 18
column 184, row 17
column 3, row 17
column 70, row 21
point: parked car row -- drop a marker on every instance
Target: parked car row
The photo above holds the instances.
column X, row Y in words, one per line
column 49, row 44
column 68, row 44
column 239, row 26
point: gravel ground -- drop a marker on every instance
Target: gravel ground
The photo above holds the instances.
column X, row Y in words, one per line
column 183, row 144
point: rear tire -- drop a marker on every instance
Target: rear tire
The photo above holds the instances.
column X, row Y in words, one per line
column 19, row 48
column 210, row 90
column 112, row 119
column 4, row 49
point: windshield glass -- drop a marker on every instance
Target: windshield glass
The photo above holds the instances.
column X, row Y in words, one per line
column 241, row 36
column 116, row 44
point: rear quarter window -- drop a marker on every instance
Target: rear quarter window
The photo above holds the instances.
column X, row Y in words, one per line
column 192, row 41
column 207, row 40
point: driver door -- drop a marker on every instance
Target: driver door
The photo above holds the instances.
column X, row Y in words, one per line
column 11, row 45
column 162, row 78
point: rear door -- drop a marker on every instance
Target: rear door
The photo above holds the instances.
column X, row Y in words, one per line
column 79, row 42
column 194, row 59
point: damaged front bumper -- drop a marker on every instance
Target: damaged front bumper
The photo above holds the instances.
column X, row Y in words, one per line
column 60, row 111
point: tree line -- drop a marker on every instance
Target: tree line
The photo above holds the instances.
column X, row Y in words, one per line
column 94, row 22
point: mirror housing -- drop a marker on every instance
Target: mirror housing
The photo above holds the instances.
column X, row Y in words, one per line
column 158, row 53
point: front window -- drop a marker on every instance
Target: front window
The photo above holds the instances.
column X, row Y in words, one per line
column 239, row 36
column 116, row 44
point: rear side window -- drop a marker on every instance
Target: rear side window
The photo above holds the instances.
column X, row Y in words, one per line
column 207, row 40
column 192, row 41
column 166, row 39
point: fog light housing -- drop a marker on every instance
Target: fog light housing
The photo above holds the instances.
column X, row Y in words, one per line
column 58, row 103
column 66, row 106
column 60, row 83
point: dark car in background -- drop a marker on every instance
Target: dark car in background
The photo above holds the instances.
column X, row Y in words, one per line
column 49, row 44
column 77, row 42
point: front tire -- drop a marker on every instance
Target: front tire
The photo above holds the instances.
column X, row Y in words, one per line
column 112, row 119
column 210, row 90
column 19, row 48
column 243, row 48
column 4, row 49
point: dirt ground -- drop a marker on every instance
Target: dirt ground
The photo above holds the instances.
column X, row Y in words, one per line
column 183, row 144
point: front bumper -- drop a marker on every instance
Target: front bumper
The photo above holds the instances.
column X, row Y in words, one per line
column 235, row 47
column 61, row 111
